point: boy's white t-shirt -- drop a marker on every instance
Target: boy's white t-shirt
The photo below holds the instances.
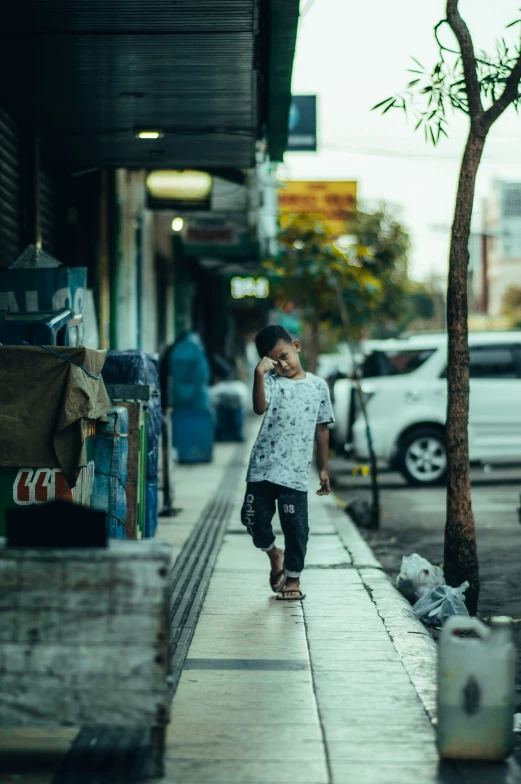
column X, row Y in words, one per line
column 283, row 450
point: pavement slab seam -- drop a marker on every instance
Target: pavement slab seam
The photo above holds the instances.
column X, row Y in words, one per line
column 317, row 703
column 395, row 613
column 246, row 664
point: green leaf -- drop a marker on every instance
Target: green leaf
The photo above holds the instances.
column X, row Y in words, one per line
column 391, row 106
column 382, row 103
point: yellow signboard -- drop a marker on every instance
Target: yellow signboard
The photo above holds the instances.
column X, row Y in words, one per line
column 333, row 200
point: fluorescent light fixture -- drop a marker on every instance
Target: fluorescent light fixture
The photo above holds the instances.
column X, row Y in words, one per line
column 179, row 185
column 177, row 224
column 149, row 134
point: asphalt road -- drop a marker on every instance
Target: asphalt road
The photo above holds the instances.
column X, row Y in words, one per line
column 413, row 520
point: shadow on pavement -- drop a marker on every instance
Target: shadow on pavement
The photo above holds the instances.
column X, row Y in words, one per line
column 16, row 763
column 479, row 772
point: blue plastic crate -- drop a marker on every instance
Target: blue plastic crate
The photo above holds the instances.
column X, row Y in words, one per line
column 193, row 434
column 229, row 424
column 138, row 367
column 151, row 515
column 110, row 475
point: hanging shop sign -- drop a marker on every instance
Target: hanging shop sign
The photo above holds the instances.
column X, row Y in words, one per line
column 333, row 201
column 211, row 232
column 302, row 135
column 216, row 237
column 250, row 287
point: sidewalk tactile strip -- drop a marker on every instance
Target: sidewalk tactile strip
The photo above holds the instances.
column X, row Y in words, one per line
column 113, row 755
column 192, row 571
column 246, row 664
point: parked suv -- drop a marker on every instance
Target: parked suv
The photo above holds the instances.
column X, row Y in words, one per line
column 343, row 393
column 405, row 389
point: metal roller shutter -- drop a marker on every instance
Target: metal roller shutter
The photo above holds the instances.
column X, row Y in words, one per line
column 10, row 191
column 47, row 209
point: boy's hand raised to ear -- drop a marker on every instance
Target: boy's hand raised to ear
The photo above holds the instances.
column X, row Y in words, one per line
column 325, row 486
column 265, row 365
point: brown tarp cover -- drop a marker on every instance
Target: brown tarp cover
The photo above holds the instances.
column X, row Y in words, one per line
column 43, row 400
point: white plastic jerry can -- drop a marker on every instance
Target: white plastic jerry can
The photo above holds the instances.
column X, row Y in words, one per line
column 476, row 682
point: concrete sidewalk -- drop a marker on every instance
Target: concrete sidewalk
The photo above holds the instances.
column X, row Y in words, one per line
column 334, row 689
column 337, row 689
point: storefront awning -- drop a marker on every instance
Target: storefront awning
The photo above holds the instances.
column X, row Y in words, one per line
column 200, row 82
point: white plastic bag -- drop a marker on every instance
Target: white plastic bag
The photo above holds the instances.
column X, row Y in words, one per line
column 440, row 603
column 417, row 576
column 229, row 394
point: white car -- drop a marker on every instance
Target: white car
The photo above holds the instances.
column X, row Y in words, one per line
column 405, row 389
column 343, row 393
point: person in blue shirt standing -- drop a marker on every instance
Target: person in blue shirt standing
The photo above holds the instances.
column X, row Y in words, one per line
column 297, row 409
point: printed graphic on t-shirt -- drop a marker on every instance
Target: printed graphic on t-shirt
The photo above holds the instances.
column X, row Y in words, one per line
column 284, row 447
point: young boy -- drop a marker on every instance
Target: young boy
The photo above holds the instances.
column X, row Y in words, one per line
column 297, row 410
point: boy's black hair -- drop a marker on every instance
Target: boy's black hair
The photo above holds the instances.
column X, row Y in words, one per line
column 268, row 338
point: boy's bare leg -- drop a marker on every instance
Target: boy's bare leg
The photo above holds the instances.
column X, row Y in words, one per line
column 276, row 556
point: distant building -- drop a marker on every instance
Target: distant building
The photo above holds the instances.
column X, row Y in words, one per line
column 502, row 246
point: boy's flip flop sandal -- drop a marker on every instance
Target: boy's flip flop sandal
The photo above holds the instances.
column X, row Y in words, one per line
column 277, row 581
column 283, row 598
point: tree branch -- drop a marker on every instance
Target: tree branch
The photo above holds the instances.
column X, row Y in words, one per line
column 441, row 46
column 468, row 58
column 508, row 96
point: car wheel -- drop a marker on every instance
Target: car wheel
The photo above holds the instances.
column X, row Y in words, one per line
column 422, row 457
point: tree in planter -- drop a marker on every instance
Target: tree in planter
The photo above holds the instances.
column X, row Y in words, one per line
column 304, row 273
column 481, row 87
column 371, row 272
column 381, row 245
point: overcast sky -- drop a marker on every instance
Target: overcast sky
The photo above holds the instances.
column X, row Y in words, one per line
column 353, row 55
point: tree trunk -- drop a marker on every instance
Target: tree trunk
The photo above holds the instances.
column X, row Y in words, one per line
column 460, row 556
column 314, row 347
